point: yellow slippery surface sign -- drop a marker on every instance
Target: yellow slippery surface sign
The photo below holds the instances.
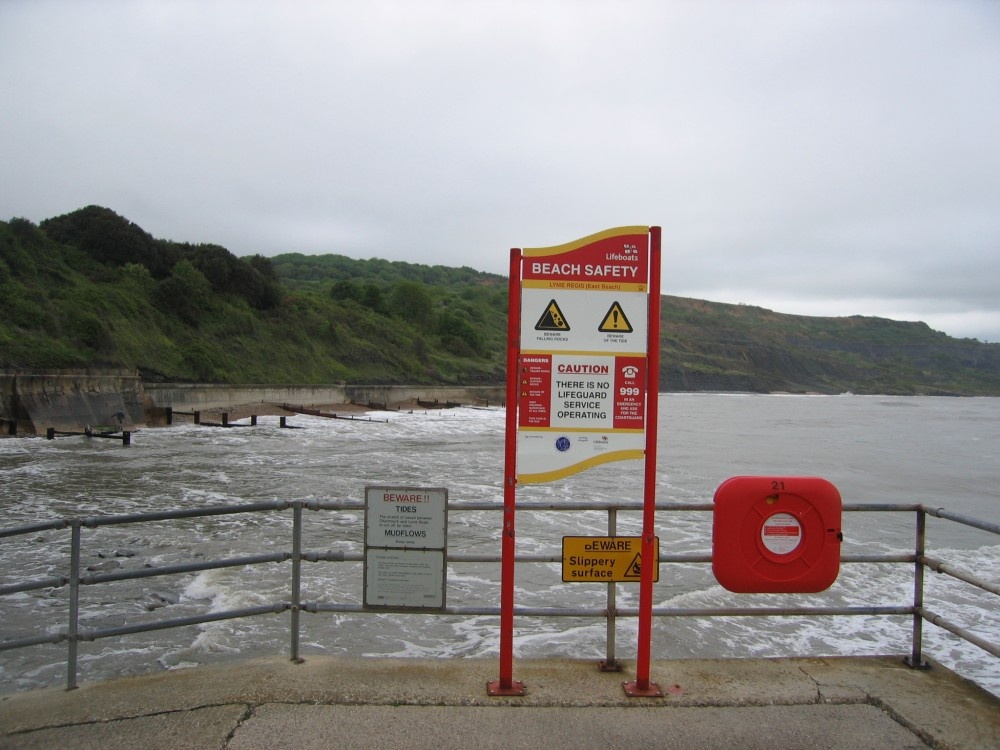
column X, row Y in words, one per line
column 605, row 559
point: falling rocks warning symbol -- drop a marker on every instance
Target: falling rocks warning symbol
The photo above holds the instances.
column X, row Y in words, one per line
column 552, row 319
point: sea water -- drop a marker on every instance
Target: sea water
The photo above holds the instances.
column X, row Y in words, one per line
column 937, row 451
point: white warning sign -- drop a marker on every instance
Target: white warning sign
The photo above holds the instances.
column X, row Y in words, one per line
column 406, row 539
column 781, row 533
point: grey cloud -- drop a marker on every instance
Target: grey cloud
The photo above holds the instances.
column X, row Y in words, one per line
column 826, row 158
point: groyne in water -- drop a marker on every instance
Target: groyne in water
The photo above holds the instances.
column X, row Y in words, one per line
column 34, row 401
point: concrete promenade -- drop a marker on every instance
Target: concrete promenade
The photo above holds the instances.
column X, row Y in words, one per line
column 344, row 703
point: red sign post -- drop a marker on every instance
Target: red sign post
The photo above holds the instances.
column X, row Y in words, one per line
column 583, row 336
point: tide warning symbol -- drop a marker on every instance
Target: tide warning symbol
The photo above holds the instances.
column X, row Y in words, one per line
column 615, row 321
column 552, row 319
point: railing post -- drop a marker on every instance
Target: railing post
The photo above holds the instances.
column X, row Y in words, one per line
column 642, row 686
column 296, row 577
column 915, row 660
column 73, row 632
column 610, row 663
column 506, row 684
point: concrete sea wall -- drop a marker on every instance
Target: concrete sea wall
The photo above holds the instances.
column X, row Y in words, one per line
column 33, row 401
column 193, row 397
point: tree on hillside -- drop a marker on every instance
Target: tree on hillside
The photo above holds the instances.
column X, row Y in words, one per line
column 112, row 239
column 410, row 300
column 186, row 293
column 345, row 290
column 457, row 335
column 371, row 297
column 253, row 280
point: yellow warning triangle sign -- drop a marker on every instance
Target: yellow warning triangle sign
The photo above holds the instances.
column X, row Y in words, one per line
column 615, row 321
column 552, row 319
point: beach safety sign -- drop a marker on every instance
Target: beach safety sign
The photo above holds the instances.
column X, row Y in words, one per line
column 582, row 360
column 607, row 559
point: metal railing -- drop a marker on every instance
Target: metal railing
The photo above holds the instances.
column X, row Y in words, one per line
column 74, row 634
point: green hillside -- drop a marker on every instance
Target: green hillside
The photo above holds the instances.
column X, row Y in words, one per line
column 91, row 289
column 714, row 346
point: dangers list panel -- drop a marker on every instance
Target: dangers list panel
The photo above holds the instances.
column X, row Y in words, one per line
column 406, row 533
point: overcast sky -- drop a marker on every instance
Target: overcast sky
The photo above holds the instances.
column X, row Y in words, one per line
column 822, row 157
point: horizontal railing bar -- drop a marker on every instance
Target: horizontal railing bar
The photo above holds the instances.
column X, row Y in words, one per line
column 993, row 528
column 769, row 611
column 460, row 557
column 315, row 607
column 901, row 558
column 961, row 632
column 212, row 510
column 338, row 556
column 278, row 505
column 880, row 507
column 333, row 505
column 333, row 556
column 232, row 562
column 940, row 567
column 180, row 622
column 38, row 640
column 689, row 558
column 603, row 505
column 41, row 583
column 358, row 609
column 470, row 558
column 600, row 505
column 579, row 505
column 60, row 523
column 692, row 558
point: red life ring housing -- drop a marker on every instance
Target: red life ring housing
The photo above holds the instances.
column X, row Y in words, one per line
column 776, row 534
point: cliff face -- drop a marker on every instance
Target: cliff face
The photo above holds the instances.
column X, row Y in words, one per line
column 715, row 346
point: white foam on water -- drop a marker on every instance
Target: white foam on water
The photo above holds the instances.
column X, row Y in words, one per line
column 705, row 438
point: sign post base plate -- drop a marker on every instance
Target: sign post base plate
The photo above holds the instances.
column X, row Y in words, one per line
column 635, row 690
column 496, row 688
